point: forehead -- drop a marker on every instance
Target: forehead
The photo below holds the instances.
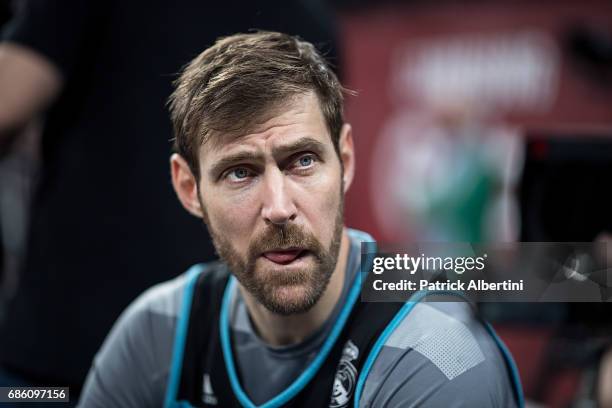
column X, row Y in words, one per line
column 297, row 118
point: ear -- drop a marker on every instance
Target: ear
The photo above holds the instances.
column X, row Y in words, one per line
column 185, row 185
column 347, row 155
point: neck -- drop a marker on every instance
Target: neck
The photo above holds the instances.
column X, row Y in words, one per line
column 279, row 330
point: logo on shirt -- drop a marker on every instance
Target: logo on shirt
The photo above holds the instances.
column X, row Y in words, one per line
column 346, row 377
column 208, row 395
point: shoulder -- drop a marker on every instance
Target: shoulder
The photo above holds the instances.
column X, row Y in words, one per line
column 439, row 354
column 155, row 311
column 158, row 308
column 135, row 358
column 358, row 237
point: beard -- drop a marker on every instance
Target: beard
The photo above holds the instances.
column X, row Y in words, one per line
column 280, row 291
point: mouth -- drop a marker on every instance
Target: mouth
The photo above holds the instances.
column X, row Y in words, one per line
column 284, row 256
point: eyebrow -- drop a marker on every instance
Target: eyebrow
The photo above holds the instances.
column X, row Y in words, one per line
column 232, row 160
column 306, row 143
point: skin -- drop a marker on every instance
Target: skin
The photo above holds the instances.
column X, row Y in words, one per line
column 29, row 84
column 270, row 185
column 604, row 388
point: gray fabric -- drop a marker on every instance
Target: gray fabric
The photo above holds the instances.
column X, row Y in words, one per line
column 440, row 356
column 442, row 339
column 131, row 369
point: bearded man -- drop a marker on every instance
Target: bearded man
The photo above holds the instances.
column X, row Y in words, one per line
column 264, row 158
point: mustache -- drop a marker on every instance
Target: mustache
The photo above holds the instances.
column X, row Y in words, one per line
column 285, row 236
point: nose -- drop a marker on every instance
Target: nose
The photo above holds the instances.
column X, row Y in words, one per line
column 278, row 205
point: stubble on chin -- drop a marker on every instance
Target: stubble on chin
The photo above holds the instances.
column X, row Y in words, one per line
column 283, row 292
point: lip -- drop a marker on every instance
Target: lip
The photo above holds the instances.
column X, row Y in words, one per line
column 284, row 256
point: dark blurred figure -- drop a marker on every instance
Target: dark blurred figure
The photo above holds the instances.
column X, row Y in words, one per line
column 104, row 221
column 565, row 197
column 5, row 14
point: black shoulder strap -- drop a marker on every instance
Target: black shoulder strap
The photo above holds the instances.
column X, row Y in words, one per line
column 197, row 323
column 203, row 327
column 203, row 376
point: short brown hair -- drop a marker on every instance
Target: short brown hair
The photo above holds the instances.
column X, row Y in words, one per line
column 240, row 78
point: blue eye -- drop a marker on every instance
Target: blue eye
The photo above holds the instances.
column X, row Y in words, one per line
column 306, row 161
column 239, row 173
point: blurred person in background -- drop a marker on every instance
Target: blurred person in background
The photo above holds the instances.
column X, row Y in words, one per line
column 104, row 223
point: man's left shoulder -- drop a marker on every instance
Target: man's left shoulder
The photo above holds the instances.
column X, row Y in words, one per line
column 440, row 354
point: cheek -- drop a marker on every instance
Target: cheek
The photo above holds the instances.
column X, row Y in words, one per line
column 320, row 207
column 233, row 220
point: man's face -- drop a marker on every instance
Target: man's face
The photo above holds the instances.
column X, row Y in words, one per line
column 273, row 204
